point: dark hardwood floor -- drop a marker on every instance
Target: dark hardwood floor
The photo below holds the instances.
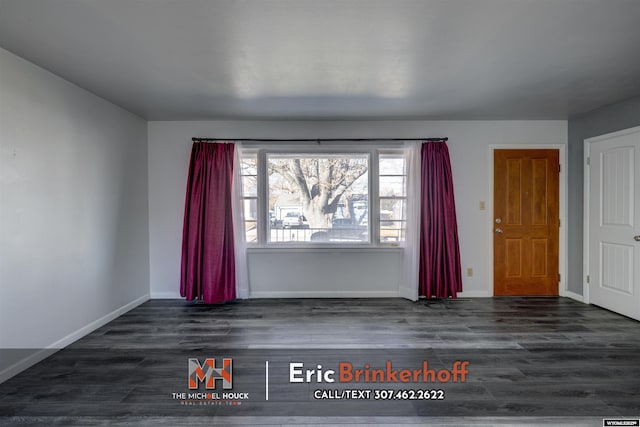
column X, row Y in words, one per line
column 532, row 361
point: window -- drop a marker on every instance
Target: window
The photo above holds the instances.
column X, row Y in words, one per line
column 393, row 197
column 318, row 197
column 327, row 198
column 249, row 173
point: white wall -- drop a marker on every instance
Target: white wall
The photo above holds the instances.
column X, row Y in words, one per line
column 73, row 212
column 353, row 273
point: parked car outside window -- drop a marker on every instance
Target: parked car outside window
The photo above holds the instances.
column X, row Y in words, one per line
column 348, row 229
column 295, row 220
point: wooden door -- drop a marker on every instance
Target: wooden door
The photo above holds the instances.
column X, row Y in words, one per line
column 614, row 222
column 526, row 222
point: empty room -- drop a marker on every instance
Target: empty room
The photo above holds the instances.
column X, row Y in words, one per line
column 340, row 212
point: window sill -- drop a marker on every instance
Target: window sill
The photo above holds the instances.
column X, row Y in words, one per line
column 323, row 249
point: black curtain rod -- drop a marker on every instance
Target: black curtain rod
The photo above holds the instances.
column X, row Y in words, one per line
column 318, row 140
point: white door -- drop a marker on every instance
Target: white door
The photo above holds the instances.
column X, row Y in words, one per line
column 614, row 221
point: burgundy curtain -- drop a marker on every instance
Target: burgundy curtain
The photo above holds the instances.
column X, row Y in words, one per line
column 440, row 273
column 208, row 260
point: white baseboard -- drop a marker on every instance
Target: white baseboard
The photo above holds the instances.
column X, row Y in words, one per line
column 166, row 295
column 574, row 296
column 330, row 294
column 42, row 354
column 325, row 294
column 475, row 294
column 37, row 356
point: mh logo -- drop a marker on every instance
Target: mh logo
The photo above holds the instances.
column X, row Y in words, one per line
column 208, row 373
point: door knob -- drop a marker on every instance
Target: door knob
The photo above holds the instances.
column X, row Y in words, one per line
column 637, row 238
column 499, row 230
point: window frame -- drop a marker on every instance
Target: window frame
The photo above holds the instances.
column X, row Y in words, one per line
column 391, row 153
column 262, row 150
column 244, row 197
column 312, row 153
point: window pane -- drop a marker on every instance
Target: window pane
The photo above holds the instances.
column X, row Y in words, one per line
column 249, row 164
column 393, row 209
column 250, row 185
column 393, row 217
column 392, row 193
column 391, row 186
column 249, row 172
column 392, row 231
column 391, row 164
column 318, row 197
column 250, row 206
column 251, row 231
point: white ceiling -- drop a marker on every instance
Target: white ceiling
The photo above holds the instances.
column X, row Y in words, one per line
column 336, row 59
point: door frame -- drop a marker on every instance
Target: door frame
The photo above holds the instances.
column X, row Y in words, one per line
column 587, row 200
column 562, row 235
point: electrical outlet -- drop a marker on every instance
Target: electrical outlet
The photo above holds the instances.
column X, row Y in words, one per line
column 469, row 271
